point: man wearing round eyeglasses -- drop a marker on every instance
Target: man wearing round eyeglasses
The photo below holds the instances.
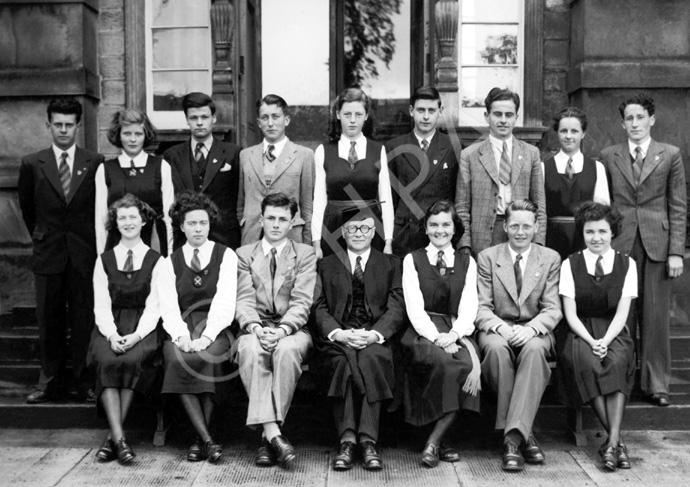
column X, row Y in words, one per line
column 358, row 310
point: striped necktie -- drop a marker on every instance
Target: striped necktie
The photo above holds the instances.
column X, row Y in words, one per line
column 505, row 168
column 65, row 175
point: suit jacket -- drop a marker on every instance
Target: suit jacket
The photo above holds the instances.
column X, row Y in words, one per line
column 220, row 183
column 420, row 180
column 382, row 287
column 294, row 176
column 288, row 300
column 538, row 305
column 657, row 207
column 61, row 228
column 476, row 197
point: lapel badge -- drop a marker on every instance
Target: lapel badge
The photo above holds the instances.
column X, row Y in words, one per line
column 445, row 165
column 141, row 170
column 206, row 272
column 79, row 171
column 442, row 270
column 656, row 158
column 215, row 161
column 435, row 161
column 519, row 157
column 197, row 281
column 129, row 276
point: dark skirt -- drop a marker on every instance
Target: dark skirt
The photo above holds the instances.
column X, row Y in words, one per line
column 137, row 369
column 585, row 376
column 196, row 373
column 433, row 378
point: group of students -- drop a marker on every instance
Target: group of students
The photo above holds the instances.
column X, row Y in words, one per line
column 210, row 234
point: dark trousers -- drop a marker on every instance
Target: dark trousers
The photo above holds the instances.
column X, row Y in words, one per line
column 62, row 299
column 345, row 415
column 651, row 315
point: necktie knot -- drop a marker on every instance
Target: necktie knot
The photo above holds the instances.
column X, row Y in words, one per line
column 504, row 172
column 129, row 262
column 269, row 153
column 518, row 258
column 352, row 155
column 65, row 174
column 425, row 145
column 199, row 152
column 63, row 157
column 569, row 169
column 599, row 267
column 273, row 264
column 518, row 273
column 196, row 263
column 359, row 272
column 637, row 164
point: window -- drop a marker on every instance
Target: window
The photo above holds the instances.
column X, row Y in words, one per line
column 179, row 57
column 490, row 53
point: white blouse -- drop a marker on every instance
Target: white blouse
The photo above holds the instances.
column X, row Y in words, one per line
column 566, row 287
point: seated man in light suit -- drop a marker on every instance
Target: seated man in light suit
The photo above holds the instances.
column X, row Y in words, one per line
column 518, row 309
column 275, row 289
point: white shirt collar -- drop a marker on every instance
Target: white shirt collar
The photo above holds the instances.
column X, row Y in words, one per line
column 204, row 251
column 347, row 141
column 138, row 251
column 608, row 257
column 279, row 146
column 525, row 254
column 139, row 160
column 70, row 154
column 266, row 247
column 427, row 138
column 645, row 146
column 353, row 259
column 562, row 161
column 498, row 143
column 208, row 142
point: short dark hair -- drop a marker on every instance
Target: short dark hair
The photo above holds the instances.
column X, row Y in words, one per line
column 589, row 211
column 64, row 106
column 348, row 95
column 273, row 100
column 128, row 117
column 500, row 94
column 521, row 205
column 425, row 92
column 445, row 206
column 147, row 213
column 187, row 201
column 279, row 200
column 196, row 99
column 642, row 99
column 570, row 112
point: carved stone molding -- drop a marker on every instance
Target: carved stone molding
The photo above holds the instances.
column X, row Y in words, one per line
column 223, row 22
column 446, row 14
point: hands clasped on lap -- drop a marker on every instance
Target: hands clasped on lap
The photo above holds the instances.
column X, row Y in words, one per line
column 517, row 336
column 356, row 339
column 120, row 344
column 186, row 344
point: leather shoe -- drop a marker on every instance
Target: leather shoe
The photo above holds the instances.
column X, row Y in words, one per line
column 660, row 399
column 212, row 450
column 532, row 452
column 345, row 456
column 284, row 450
column 513, row 461
column 623, row 459
column 370, row 456
column 447, row 453
column 107, row 452
column 609, row 457
column 196, row 452
column 90, row 396
column 125, row 454
column 265, row 457
column 37, row 397
column 430, row 456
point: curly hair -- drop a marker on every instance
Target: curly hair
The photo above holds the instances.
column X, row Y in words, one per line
column 642, row 99
column 129, row 201
column 570, row 112
column 348, row 95
column 445, row 206
column 589, row 211
column 187, row 201
column 128, row 117
column 64, row 106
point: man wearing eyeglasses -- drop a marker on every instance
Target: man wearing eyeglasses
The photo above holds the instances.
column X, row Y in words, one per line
column 358, row 310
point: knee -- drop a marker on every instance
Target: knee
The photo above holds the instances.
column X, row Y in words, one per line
column 285, row 354
column 536, row 348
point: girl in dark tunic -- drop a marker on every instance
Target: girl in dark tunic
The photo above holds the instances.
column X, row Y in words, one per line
column 351, row 172
column 135, row 172
column 124, row 345
column 596, row 355
column 443, row 370
column 569, row 179
column 198, row 289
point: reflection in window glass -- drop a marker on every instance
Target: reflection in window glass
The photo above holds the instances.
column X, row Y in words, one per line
column 181, row 48
column 492, row 11
column 170, row 86
column 179, row 13
column 489, row 44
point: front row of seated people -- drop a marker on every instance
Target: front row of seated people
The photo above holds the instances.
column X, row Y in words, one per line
column 454, row 321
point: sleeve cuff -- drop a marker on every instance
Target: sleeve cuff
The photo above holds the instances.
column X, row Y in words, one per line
column 288, row 329
column 381, row 339
column 332, row 334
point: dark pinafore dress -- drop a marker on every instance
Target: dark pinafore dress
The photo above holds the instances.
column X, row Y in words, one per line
column 562, row 196
column 341, row 181
column 140, row 366
column 433, row 378
column 145, row 183
column 202, row 372
column 587, row 377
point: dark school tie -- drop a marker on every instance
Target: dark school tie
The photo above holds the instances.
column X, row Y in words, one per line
column 518, row 273
column 273, row 265
column 270, row 156
column 129, row 262
column 65, row 175
column 199, row 155
column 441, row 263
column 352, row 156
column 196, row 263
column 359, row 273
column 569, row 169
column 425, row 146
column 599, row 268
column 637, row 164
column 504, row 172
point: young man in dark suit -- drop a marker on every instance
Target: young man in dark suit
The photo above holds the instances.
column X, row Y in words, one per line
column 424, row 169
column 648, row 187
column 57, row 197
column 207, row 165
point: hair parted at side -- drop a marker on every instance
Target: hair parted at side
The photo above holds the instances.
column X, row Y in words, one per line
column 348, row 95
column 642, row 99
column 279, row 200
column 129, row 201
column 425, row 92
column 130, row 116
column 445, row 206
column 64, row 106
column 196, row 99
column 589, row 211
column 187, row 201
column 570, row 112
column 500, row 94
column 273, row 100
column 521, row 205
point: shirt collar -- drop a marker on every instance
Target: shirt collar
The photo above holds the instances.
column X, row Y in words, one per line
column 138, row 250
column 208, row 142
column 592, row 257
column 139, row 160
column 70, row 153
column 498, row 143
column 427, row 138
column 266, row 247
column 448, row 250
column 279, row 146
column 346, row 141
column 525, row 254
column 645, row 146
column 204, row 250
column 353, row 258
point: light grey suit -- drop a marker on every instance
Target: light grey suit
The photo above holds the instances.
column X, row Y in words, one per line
column 294, row 176
column 537, row 306
column 270, row 378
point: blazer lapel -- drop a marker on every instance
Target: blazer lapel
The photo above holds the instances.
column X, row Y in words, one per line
column 373, row 276
column 655, row 154
column 622, row 160
column 518, row 161
column 260, row 268
column 50, row 169
column 435, row 155
column 287, row 156
column 79, row 170
column 286, row 265
column 256, row 158
column 183, row 164
column 506, row 274
column 533, row 271
column 486, row 157
column 216, row 160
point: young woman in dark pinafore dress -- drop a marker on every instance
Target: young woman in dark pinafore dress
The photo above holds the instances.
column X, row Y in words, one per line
column 134, row 172
column 351, row 172
column 570, row 178
column 442, row 368
column 124, row 351
column 596, row 354
column 198, row 290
